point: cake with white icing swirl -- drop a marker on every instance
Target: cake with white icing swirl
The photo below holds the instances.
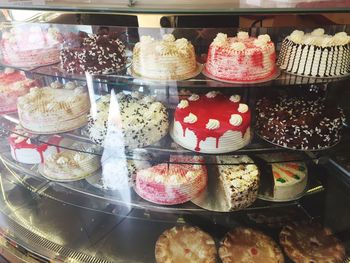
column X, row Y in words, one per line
column 212, row 123
column 166, row 59
column 315, row 54
column 241, row 58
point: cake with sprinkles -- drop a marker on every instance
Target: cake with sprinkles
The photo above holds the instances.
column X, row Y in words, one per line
column 93, row 54
column 143, row 120
column 315, row 54
column 299, row 123
column 212, row 123
column 242, row 58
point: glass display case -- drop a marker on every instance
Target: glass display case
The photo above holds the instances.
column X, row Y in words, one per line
column 175, row 143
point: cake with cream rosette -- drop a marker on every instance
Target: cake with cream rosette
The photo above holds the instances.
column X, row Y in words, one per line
column 242, row 58
column 166, row 59
column 315, row 54
column 212, row 123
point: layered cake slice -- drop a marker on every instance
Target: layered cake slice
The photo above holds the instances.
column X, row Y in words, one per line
column 241, row 58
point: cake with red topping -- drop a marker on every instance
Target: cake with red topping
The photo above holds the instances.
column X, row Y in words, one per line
column 176, row 182
column 13, row 84
column 241, row 58
column 34, row 46
column 212, row 123
column 249, row 245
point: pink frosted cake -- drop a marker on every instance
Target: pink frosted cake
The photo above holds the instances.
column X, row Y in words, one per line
column 176, row 182
column 13, row 84
column 241, row 58
column 30, row 47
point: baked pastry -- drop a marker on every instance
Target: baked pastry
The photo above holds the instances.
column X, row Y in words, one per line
column 30, row 47
column 212, row 123
column 166, row 59
column 310, row 242
column 13, row 84
column 241, row 58
column 315, row 54
column 185, row 244
column 144, row 121
column 93, row 54
column 240, row 179
column 176, row 182
column 299, row 123
column 24, row 150
column 54, row 109
column 248, row 245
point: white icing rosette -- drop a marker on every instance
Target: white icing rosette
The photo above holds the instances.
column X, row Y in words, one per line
column 242, row 35
column 264, row 38
column 235, row 98
column 220, row 39
column 212, row 124
column 243, row 108
column 236, row 120
column 297, row 36
column 318, row 32
column 191, row 118
column 169, row 38
column 183, row 104
column 340, row 39
column 259, row 43
column 212, row 94
column 193, row 97
column 237, row 46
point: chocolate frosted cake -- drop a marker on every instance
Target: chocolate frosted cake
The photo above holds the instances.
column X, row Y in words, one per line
column 299, row 123
column 93, row 53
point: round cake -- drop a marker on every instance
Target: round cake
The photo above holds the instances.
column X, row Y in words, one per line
column 33, row 46
column 212, row 123
column 240, row 180
column 23, row 149
column 93, row 54
column 248, row 245
column 299, row 123
column 54, row 109
column 166, row 59
column 315, row 54
column 143, row 120
column 176, row 182
column 185, row 244
column 13, row 84
column 241, row 58
column 310, row 242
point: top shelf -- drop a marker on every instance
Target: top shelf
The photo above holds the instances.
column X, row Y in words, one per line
column 183, row 7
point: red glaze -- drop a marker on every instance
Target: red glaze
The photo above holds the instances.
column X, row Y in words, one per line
column 257, row 59
column 219, row 108
column 254, row 251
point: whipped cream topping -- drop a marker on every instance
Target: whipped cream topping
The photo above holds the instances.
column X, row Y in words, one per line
column 318, row 32
column 236, row 120
column 243, row 108
column 190, row 118
column 264, row 38
column 169, row 38
column 235, row 98
column 242, row 35
column 297, row 36
column 220, row 39
column 183, row 104
column 193, row 97
column 212, row 94
column 238, row 46
column 212, row 124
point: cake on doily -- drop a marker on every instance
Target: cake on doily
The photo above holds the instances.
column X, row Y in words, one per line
column 166, row 59
column 176, row 182
column 249, row 245
column 310, row 242
column 24, row 150
column 240, row 180
column 241, row 58
column 315, row 54
column 13, row 84
column 185, row 244
column 33, row 46
column 93, row 53
column 299, row 123
column 212, row 123
column 54, row 109
column 143, row 120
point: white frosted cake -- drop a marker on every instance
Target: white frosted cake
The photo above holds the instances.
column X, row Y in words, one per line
column 166, row 59
column 143, row 120
column 54, row 109
column 315, row 54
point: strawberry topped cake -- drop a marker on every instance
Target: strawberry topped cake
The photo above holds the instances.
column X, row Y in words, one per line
column 241, row 58
column 212, row 123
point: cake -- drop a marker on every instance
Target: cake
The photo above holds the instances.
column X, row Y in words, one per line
column 25, row 149
column 240, row 180
column 144, row 121
column 310, row 242
column 315, row 54
column 95, row 54
column 70, row 165
column 299, row 123
column 30, row 47
column 54, row 109
column 12, row 85
column 249, row 245
column 166, row 59
column 212, row 123
column 175, row 182
column 241, row 58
